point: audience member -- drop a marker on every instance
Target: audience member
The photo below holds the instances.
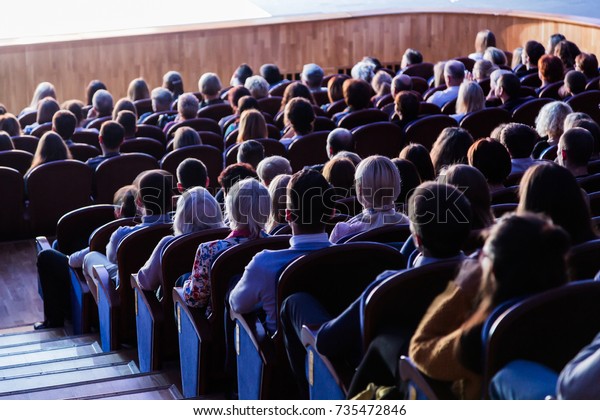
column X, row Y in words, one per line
column 252, row 126
column 575, row 148
column 470, row 99
column 420, row 157
column 340, row 173
column 124, row 104
column 550, row 124
column 186, row 136
column 6, row 142
column 550, row 70
column 519, row 140
column 495, row 55
column 357, row 95
column 64, row 123
column 406, row 108
column 42, row 91
column 76, row 108
column 271, row 74
column 296, row 90
column 312, row 76
column 102, row 105
column 493, row 161
column 272, row 166
column 191, row 173
column 574, row 83
column 251, row 152
column 410, row 57
column 482, row 69
column 91, row 89
column 567, row 51
column 587, row 64
column 187, row 108
column 127, row 119
column 50, row 148
column 173, row 82
column 299, row 119
column 10, row 124
column 531, row 54
column 47, row 107
column 138, row 90
column 258, row 87
column 450, row 147
column 277, row 192
column 161, row 102
column 210, row 87
column 335, row 90
column 553, row 41
column 240, row 75
column 111, row 136
column 483, row 40
column 454, row 74
column 409, row 181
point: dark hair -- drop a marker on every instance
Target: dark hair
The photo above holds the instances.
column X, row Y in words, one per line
column 491, row 158
column 420, row 157
column 450, row 147
column 173, row 82
column 519, row 139
column 247, row 102
column 251, row 152
column 594, row 129
column 6, row 142
column 567, row 51
column 234, row 173
column 50, row 148
column 296, row 90
column 125, row 199
column 534, row 51
column 575, row 82
column 301, row 115
column 511, row 85
column 440, row 215
column 64, row 123
column 92, row 87
column 357, row 94
column 124, row 104
column 553, row 42
column 409, row 180
column 192, row 173
column 235, row 94
column 407, row 106
column 47, row 107
column 10, row 124
column 578, row 145
column 243, row 72
column 309, row 200
column 588, row 64
column 76, row 108
column 112, row 134
column 156, row 191
column 335, row 90
column 128, row 121
column 339, row 172
column 550, row 68
column 271, row 73
column 413, row 56
column 551, row 189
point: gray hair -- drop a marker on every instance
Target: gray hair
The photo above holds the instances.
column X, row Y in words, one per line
column 573, row 117
column 399, row 83
column 197, row 210
column 454, row 69
column 363, row 70
column 551, row 119
column 248, row 206
column 209, row 84
column 43, row 90
column 278, row 194
column 187, row 105
column 377, row 182
column 102, row 101
column 258, row 86
column 312, row 75
column 339, row 139
column 161, row 98
column 495, row 76
column 272, row 166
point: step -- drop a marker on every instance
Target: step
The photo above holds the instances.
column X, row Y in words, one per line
column 158, row 393
column 70, row 377
column 63, row 365
column 15, row 339
column 142, row 381
column 39, row 356
column 48, row 345
column 14, row 330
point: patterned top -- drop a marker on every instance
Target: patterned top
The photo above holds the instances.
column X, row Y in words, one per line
column 197, row 289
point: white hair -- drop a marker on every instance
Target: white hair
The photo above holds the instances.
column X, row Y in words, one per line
column 197, row 210
column 377, row 182
column 272, row 166
column 258, row 86
column 551, row 118
column 247, row 206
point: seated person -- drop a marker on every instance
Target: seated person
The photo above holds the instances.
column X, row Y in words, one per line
column 493, row 161
column 470, row 99
column 102, row 106
column 277, row 193
column 519, row 140
column 575, row 148
column 272, row 75
column 46, row 109
column 454, row 74
column 64, row 123
column 550, row 124
column 161, row 101
column 483, row 40
column 340, row 173
column 299, row 119
column 251, row 152
column 406, row 108
column 50, row 148
column 230, row 176
column 210, row 87
column 509, row 92
column 127, row 119
column 187, row 109
column 191, row 173
column 377, row 187
column 532, row 51
column 574, row 84
column 357, row 95
column 247, row 207
column 270, row 167
column 111, row 137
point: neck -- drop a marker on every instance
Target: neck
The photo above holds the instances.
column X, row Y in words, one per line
column 301, row 230
column 578, row 170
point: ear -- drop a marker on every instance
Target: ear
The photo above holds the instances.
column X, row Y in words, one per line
column 207, row 182
column 418, row 241
column 180, row 188
column 564, row 155
column 100, row 140
column 288, row 216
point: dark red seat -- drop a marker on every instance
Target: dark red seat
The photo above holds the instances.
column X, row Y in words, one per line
column 119, row 171
column 210, row 156
column 389, row 234
column 433, row 90
column 146, row 130
column 54, row 189
column 12, row 223
column 583, row 261
column 468, row 62
column 323, row 124
column 270, row 105
column 590, row 183
column 87, row 137
column 143, row 106
column 594, row 200
column 423, row 70
column 321, row 97
column 16, row 159
column 482, row 123
column 198, row 124
column 586, row 102
column 145, row 145
column 279, row 89
column 532, row 80
column 211, row 139
column 362, row 117
column 308, row 150
column 350, row 206
column 449, row 107
column 527, row 113
column 272, row 147
column 27, row 119
column 485, row 85
column 426, row 108
column 426, row 130
column 551, row 91
column 97, row 122
column 419, row 84
column 41, row 129
column 83, row 152
column 384, row 100
column 378, row 138
column 335, row 107
column 215, row 112
column 26, row 143
column 506, row 195
column 593, row 84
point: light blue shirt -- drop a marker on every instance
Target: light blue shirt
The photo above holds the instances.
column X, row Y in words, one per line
column 442, row 97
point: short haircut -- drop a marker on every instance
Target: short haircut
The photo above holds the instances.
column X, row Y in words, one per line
column 123, row 104
column 112, row 134
column 161, row 99
column 209, row 84
column 242, row 73
column 455, row 69
column 400, row 83
column 550, row 68
column 270, row 167
column 412, row 56
column 551, row 119
column 340, row 139
column 251, row 152
column 186, row 136
column 363, row 70
column 93, row 87
column 192, row 173
column 235, row 94
column 247, row 206
column 129, row 122
column 76, row 107
column 511, row 85
column 578, row 145
column 187, row 105
column 357, row 94
column 103, row 102
column 309, row 200
column 407, row 105
column 519, row 140
column 64, row 123
column 491, row 158
column 575, row 82
column 301, row 115
column 588, row 64
column 234, row 173
column 6, row 142
column 246, row 103
column 440, row 215
column 482, row 69
column 594, row 129
column 258, row 86
column 197, row 210
column 156, row 191
column 271, row 73
column 312, row 75
column 534, row 51
column 340, row 172
column 377, row 183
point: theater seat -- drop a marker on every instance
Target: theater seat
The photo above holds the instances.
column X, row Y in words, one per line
column 83, row 152
column 215, row 112
column 378, row 138
column 89, row 137
column 481, row 123
column 198, row 124
column 586, row 102
column 210, row 156
column 310, row 149
column 16, row 159
column 362, row 117
column 26, row 143
column 147, row 130
column 119, row 171
column 272, row 147
column 426, row 130
column 527, row 113
column 145, row 145
column 12, row 224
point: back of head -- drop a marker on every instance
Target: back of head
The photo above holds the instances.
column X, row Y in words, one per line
column 551, row 189
column 186, row 136
column 64, row 123
column 50, row 148
column 519, row 140
column 534, row 51
column 102, row 102
column 6, row 142
column 43, row 90
column 588, row 64
column 123, row 104
column 187, row 106
column 440, row 216
column 76, row 108
column 309, row 201
column 47, row 107
column 301, row 115
column 235, row 94
column 338, row 140
column 271, row 73
column 248, row 206
column 482, row 69
column 161, row 99
column 252, row 126
column 128, row 121
column 491, row 158
column 243, row 72
column 407, row 105
column 335, row 90
column 553, row 42
column 209, row 84
column 411, row 57
column 156, row 192
column 363, row 70
column 472, row 183
column 381, row 83
column 495, row 55
column 470, row 98
column 484, row 39
column 357, row 94
column 173, row 81
column 235, row 173
column 551, row 118
column 420, row 157
column 550, row 68
column 251, row 152
column 594, row 129
column 454, row 72
column 377, row 183
column 450, row 147
column 340, row 173
column 138, row 89
column 409, row 180
column 10, row 124
column 124, row 201
column 112, row 134
column 247, row 102
column 277, row 192
column 296, row 90
column 527, row 254
column 197, row 210
column 567, row 51
column 92, row 88
column 272, row 166
column 401, row 83
column 438, row 73
column 578, row 146
column 192, row 173
column 575, row 82
column 510, row 84
column 258, row 86
column 312, row 75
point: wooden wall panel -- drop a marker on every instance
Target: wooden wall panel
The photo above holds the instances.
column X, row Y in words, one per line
column 333, row 43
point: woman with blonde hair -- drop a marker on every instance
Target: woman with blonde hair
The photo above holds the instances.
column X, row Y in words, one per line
column 277, row 192
column 377, row 183
column 470, row 99
column 50, row 148
column 138, row 89
column 247, row 206
column 495, row 55
column 46, row 109
column 252, row 126
column 550, row 124
column 43, row 90
column 483, row 40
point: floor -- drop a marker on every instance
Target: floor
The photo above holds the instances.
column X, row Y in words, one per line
column 20, row 303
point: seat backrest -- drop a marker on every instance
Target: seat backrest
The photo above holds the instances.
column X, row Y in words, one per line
column 423, row 70
column 324, row 124
column 147, row 145
column 279, row 89
column 583, row 260
column 468, row 62
column 321, row 97
column 87, row 137
column 74, row 229
column 384, row 234
column 551, row 90
column 419, row 84
column 402, row 299
column 210, row 156
column 593, row 84
column 19, row 160
column 119, row 171
column 362, row 117
column 532, row 80
column 211, row 139
column 449, row 107
column 506, row 195
column 433, row 90
column 485, row 85
column 54, row 189
column 152, row 119
column 270, row 104
column 215, row 112
column 549, row 328
column 498, row 210
column 527, row 113
column 586, row 102
column 41, row 129
column 27, row 119
column 594, row 200
column 384, row 100
column 150, row 131
column 590, row 183
column 549, row 153
column 100, row 237
column 13, row 203
column 198, row 124
column 26, row 143
column 82, row 152
column 310, row 149
column 378, row 138
column 481, row 123
column 143, row 106
column 335, row 107
column 97, row 122
column 426, row 130
column 426, row 108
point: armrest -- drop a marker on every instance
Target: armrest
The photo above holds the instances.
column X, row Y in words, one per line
column 42, row 244
column 196, row 316
column 308, row 336
column 103, row 282
column 410, row 372
column 149, row 300
column 256, row 331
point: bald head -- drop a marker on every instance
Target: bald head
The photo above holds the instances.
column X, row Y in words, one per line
column 454, row 72
column 400, row 83
column 338, row 140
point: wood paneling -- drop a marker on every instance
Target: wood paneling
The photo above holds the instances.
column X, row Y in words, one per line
column 334, row 42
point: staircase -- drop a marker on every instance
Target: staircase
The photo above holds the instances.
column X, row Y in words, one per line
column 50, row 364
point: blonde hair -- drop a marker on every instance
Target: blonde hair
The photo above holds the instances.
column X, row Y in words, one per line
column 186, row 136
column 377, row 183
column 50, row 148
column 482, row 69
column 197, row 210
column 252, row 126
column 43, row 90
column 470, row 98
column 277, row 192
column 495, row 55
column 551, row 118
column 248, row 205
column 138, row 89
